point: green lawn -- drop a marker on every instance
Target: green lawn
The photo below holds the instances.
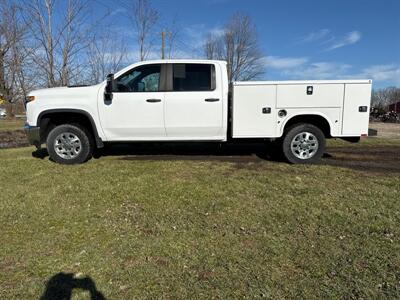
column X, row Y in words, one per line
column 199, row 229
column 12, row 124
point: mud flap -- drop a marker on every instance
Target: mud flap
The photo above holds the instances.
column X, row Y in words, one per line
column 372, row 132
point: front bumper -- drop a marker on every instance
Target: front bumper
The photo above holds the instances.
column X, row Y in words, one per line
column 33, row 134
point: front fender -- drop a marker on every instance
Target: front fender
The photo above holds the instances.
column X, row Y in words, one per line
column 95, row 127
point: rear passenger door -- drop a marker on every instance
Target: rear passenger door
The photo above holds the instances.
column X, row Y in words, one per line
column 193, row 103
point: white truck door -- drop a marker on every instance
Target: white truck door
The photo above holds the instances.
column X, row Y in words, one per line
column 136, row 111
column 194, row 102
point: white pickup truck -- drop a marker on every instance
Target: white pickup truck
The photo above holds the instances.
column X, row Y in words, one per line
column 192, row 100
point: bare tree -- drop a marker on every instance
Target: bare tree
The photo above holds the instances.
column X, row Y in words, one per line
column 379, row 99
column 382, row 98
column 172, row 33
column 238, row 45
column 211, row 46
column 395, row 95
column 12, row 56
column 144, row 19
column 57, row 43
column 106, row 54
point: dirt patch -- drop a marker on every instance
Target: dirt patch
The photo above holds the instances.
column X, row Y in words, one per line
column 386, row 130
column 13, row 139
column 372, row 159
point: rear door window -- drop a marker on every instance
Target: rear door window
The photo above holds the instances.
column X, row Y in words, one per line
column 193, row 77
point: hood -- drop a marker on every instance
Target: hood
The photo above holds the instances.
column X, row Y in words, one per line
column 54, row 90
column 64, row 92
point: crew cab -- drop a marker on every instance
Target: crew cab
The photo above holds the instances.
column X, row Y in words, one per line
column 192, row 100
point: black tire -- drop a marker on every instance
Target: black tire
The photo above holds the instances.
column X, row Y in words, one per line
column 315, row 143
column 84, row 148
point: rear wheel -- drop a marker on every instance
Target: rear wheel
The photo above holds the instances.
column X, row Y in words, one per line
column 69, row 144
column 303, row 144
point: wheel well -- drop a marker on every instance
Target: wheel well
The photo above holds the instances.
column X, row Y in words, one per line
column 315, row 120
column 48, row 120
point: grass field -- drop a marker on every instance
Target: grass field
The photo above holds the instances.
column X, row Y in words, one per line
column 11, row 124
column 179, row 229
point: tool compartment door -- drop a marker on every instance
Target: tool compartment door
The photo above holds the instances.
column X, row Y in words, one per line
column 356, row 109
column 254, row 111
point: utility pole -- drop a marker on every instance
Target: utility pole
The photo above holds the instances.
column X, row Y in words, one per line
column 163, row 44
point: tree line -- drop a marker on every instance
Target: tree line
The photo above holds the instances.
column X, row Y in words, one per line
column 51, row 43
column 382, row 98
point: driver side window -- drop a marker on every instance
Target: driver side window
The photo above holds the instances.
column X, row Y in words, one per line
column 141, row 79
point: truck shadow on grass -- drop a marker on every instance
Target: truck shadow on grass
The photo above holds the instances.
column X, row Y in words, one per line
column 381, row 159
column 61, row 285
column 250, row 152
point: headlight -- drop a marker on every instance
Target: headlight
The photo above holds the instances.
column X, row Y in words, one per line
column 30, row 98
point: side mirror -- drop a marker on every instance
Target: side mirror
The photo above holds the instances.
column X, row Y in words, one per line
column 109, row 87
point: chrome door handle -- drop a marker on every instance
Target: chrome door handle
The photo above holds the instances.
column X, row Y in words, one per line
column 153, row 100
column 211, row 100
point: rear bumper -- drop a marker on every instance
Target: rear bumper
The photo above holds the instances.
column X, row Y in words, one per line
column 33, row 134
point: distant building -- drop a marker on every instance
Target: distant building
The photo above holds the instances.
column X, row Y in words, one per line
column 394, row 107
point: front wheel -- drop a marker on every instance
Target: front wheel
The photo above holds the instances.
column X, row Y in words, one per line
column 69, row 144
column 303, row 144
